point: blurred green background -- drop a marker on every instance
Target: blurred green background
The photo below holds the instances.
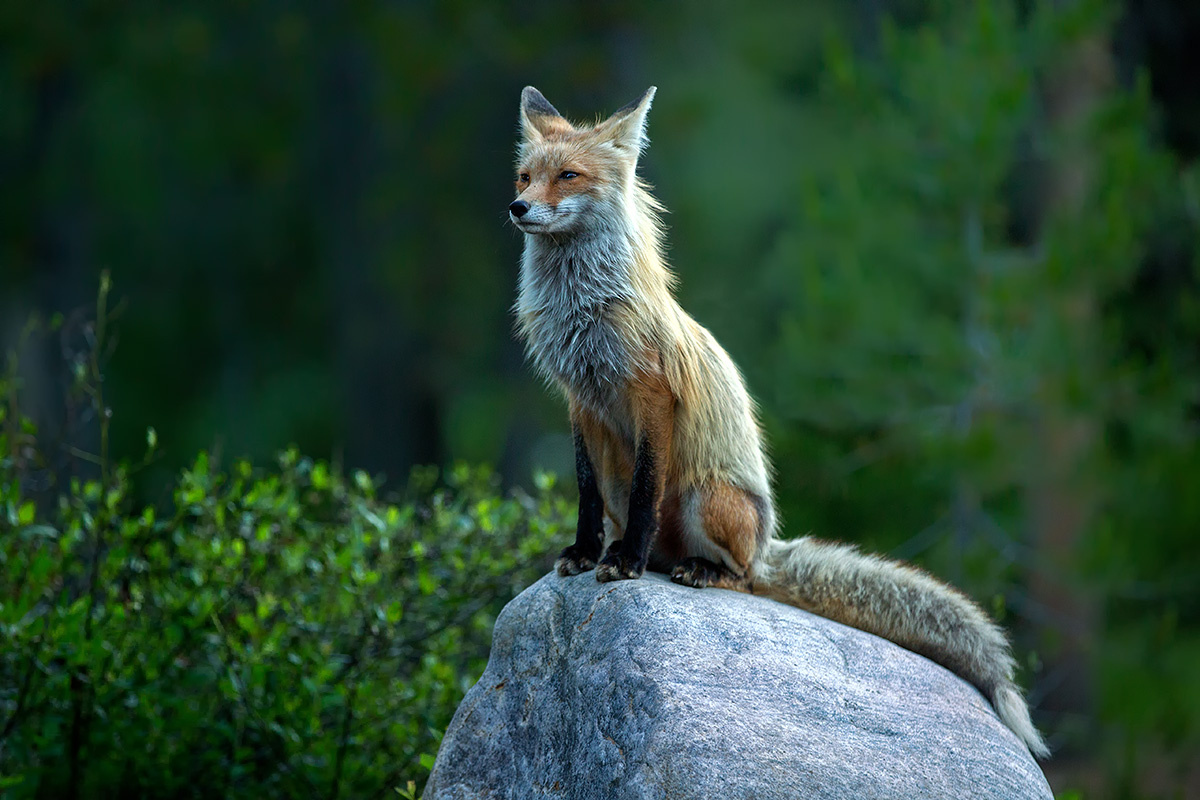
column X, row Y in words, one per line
column 952, row 246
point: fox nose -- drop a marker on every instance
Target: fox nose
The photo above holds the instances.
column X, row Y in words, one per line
column 518, row 208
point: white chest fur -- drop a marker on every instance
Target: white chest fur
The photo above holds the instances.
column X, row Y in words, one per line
column 570, row 295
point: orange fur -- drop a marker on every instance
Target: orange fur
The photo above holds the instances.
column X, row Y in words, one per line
column 728, row 515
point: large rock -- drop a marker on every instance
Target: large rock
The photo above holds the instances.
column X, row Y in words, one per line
column 645, row 689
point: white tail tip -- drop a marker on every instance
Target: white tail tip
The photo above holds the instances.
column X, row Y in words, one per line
column 1014, row 713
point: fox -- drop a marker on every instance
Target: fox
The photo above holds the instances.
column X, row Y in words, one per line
column 669, row 454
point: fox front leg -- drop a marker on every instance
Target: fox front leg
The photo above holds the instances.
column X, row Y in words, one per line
column 589, row 532
column 653, row 406
column 626, row 557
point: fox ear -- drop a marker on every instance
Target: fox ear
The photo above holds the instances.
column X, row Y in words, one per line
column 538, row 118
column 627, row 126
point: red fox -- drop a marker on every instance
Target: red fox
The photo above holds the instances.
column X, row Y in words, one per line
column 668, row 452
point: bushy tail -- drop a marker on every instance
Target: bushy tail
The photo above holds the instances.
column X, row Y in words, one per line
column 904, row 605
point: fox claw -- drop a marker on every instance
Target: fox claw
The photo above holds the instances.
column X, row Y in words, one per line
column 701, row 573
column 617, row 566
column 692, row 573
column 572, row 562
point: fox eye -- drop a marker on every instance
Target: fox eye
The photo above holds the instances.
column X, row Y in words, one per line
column 523, row 178
column 567, row 175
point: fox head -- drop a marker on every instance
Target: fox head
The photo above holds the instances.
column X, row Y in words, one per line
column 569, row 178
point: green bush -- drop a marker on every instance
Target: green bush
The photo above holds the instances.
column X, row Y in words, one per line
column 279, row 632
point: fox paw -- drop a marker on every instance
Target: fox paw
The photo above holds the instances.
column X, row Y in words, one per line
column 701, row 573
column 617, row 566
column 573, row 561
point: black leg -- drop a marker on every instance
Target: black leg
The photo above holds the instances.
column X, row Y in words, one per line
column 589, row 532
column 627, row 557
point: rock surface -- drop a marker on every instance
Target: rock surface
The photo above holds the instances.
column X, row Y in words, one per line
column 645, row 689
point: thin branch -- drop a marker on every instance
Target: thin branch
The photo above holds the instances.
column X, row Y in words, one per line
column 347, row 718
column 252, row 712
column 22, row 696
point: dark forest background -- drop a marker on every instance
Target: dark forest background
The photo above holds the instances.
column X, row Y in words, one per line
column 952, row 246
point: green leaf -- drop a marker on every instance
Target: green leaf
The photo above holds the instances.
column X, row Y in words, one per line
column 426, row 581
column 320, row 476
column 544, row 481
